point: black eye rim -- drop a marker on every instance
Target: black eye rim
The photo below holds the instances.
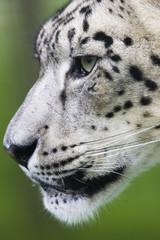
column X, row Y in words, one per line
column 77, row 70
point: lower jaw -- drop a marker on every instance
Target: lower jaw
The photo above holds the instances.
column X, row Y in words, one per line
column 69, row 209
column 74, row 208
column 88, row 189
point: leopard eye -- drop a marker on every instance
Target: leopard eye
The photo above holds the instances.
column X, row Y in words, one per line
column 82, row 66
column 88, row 63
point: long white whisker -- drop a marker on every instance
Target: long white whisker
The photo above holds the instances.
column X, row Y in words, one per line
column 78, row 180
column 103, row 139
column 103, row 170
column 111, row 143
column 114, row 147
column 124, row 148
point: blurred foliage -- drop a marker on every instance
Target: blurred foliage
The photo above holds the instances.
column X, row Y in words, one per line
column 133, row 215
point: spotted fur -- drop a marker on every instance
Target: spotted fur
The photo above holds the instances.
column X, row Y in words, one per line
column 84, row 135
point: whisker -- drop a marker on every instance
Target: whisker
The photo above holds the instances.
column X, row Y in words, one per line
column 103, row 170
column 125, row 137
column 124, row 148
column 116, row 146
column 78, row 180
column 63, row 183
column 120, row 134
column 104, row 164
column 102, row 139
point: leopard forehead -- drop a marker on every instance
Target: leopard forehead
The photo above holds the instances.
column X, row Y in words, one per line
column 110, row 30
column 84, row 25
column 81, row 132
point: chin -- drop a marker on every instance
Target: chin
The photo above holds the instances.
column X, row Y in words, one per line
column 74, row 208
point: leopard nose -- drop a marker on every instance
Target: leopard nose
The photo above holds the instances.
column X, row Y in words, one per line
column 22, row 154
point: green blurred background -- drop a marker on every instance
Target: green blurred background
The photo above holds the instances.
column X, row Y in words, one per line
column 134, row 214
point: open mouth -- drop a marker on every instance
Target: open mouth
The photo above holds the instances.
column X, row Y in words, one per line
column 75, row 185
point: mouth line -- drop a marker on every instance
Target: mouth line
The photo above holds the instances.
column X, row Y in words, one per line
column 75, row 185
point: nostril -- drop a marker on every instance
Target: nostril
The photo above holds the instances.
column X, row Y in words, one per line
column 22, row 154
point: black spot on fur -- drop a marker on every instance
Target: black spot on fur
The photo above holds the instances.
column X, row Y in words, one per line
column 101, row 36
column 116, row 58
column 146, row 114
column 68, row 20
column 86, row 10
column 151, row 85
column 71, row 34
column 73, row 146
column 128, row 105
column 120, row 16
column 110, row 10
column 42, row 34
column 115, row 69
column 64, row 201
column 55, row 165
column 68, row 160
column 117, row 108
column 57, row 36
column 109, row 115
column 84, row 40
column 85, row 25
column 128, row 41
column 48, row 167
column 121, row 8
column 45, row 153
column 54, row 150
column 121, row 92
column 63, row 97
column 136, row 73
column 108, row 75
column 93, row 127
column 45, row 41
column 64, row 148
column 91, row 89
column 63, row 162
column 145, row 101
column 46, row 127
column 155, row 59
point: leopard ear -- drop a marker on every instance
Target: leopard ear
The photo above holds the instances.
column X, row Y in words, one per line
column 148, row 12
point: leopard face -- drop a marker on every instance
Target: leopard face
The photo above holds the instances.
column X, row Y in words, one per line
column 92, row 120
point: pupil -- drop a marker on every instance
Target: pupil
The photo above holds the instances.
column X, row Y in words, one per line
column 89, row 59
